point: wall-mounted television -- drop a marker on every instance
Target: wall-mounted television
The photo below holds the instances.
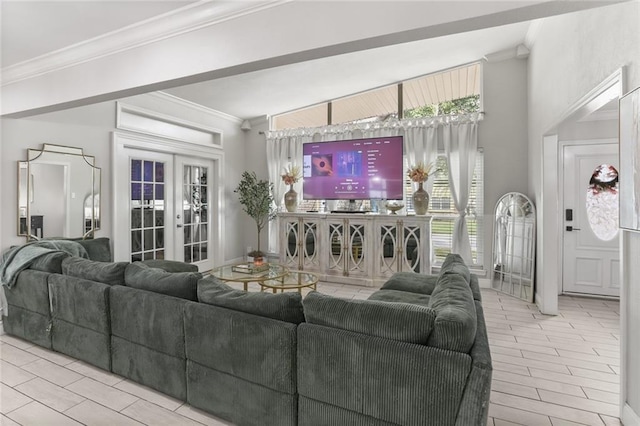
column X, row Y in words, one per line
column 355, row 169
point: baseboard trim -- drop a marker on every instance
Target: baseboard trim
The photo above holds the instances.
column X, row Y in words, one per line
column 629, row 417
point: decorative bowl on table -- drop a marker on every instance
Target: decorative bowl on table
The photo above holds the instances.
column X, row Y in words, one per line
column 393, row 206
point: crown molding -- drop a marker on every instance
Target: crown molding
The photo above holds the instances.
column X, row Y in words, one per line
column 171, row 24
column 194, row 106
column 532, row 33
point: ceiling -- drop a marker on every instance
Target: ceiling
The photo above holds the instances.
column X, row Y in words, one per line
column 34, row 28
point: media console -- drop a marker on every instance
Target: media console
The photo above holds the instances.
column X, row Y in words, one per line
column 360, row 249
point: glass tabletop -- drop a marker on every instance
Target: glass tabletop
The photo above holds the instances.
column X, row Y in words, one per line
column 241, row 272
column 294, row 279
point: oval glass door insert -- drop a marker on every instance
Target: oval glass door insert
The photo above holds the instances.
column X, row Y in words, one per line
column 602, row 202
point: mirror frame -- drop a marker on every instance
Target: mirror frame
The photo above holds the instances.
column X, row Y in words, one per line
column 514, row 213
column 96, row 188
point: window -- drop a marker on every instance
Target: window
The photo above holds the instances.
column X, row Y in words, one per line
column 450, row 92
column 442, row 208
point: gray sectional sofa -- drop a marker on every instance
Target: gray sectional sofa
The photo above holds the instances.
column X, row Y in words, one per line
column 415, row 353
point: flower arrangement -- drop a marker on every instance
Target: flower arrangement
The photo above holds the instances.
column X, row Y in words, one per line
column 291, row 175
column 419, row 172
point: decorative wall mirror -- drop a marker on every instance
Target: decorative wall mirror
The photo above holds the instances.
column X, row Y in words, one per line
column 514, row 233
column 58, row 193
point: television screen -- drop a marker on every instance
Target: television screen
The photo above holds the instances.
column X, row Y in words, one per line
column 355, row 169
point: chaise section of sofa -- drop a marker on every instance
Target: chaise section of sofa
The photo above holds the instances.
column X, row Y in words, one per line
column 241, row 354
column 372, row 363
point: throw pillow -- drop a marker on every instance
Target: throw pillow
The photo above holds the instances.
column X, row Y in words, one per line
column 176, row 284
column 102, row 272
column 98, row 249
column 281, row 306
column 398, row 321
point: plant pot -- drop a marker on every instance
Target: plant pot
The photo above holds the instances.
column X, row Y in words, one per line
column 420, row 200
column 291, row 199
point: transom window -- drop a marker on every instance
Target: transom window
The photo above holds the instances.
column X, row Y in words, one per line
column 450, row 92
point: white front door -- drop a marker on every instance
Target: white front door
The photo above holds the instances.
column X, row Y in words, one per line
column 591, row 257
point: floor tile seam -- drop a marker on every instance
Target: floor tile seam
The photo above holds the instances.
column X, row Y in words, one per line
column 617, row 394
column 23, row 394
column 122, row 379
column 579, row 378
column 61, row 366
column 48, row 406
column 560, row 405
column 110, row 409
column 59, row 412
column 137, row 398
column 541, row 414
column 528, row 366
column 569, row 364
column 597, row 373
column 562, row 345
column 580, row 408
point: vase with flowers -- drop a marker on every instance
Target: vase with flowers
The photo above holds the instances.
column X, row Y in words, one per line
column 419, row 174
column 290, row 176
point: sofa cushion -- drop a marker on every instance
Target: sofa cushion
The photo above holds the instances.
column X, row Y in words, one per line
column 177, row 284
column 98, row 249
column 398, row 321
column 102, row 272
column 411, row 282
column 170, row 265
column 281, row 306
column 401, row 297
column 456, row 321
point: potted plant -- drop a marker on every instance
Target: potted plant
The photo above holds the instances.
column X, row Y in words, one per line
column 256, row 198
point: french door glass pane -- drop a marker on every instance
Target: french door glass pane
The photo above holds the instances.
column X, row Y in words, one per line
column 194, row 204
column 146, row 202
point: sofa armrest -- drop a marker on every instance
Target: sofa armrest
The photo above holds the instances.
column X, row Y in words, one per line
column 474, row 407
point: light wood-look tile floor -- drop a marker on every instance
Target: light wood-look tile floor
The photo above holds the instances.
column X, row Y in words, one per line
column 548, row 370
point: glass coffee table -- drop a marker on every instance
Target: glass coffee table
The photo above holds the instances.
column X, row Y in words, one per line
column 230, row 273
column 293, row 280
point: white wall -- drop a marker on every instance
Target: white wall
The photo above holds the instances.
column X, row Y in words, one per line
column 572, row 55
column 90, row 128
column 503, row 136
column 87, row 128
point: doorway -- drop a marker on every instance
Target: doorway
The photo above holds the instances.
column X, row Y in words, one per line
column 591, row 254
column 166, row 205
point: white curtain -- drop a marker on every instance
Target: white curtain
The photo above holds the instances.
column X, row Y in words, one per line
column 461, row 145
column 421, row 145
column 283, row 151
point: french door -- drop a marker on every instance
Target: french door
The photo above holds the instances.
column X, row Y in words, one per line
column 168, row 213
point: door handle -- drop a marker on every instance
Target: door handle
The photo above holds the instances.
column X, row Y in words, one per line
column 571, row 228
column 179, row 225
